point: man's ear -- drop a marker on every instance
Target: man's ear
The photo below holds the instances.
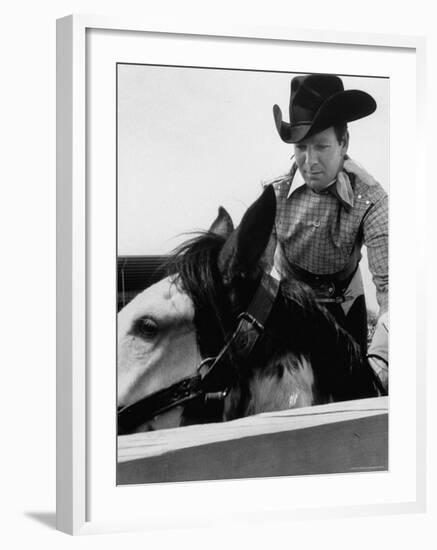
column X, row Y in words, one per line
column 222, row 225
column 245, row 246
column 345, row 142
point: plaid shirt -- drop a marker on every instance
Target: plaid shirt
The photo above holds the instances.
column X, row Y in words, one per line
column 318, row 234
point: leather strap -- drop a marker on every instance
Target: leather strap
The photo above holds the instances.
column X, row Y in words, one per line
column 157, row 403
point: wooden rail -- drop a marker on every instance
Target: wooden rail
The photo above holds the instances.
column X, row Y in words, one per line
column 336, row 438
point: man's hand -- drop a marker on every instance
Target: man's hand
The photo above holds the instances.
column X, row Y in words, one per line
column 377, row 354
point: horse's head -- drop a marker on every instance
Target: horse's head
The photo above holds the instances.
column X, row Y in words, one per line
column 156, row 342
column 165, row 330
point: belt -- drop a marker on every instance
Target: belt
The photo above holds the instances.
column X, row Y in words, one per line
column 327, row 288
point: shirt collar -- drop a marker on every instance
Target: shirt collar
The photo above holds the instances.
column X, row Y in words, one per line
column 297, row 181
column 340, row 187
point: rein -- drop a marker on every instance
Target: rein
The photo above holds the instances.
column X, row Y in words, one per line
column 250, row 328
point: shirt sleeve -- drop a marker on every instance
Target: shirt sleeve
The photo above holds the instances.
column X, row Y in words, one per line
column 375, row 236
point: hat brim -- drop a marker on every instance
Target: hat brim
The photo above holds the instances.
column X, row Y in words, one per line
column 345, row 106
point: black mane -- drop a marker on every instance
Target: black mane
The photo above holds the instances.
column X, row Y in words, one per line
column 194, row 264
column 298, row 324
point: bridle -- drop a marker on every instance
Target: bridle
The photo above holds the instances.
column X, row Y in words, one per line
column 212, row 379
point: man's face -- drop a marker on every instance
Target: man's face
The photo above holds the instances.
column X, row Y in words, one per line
column 320, row 158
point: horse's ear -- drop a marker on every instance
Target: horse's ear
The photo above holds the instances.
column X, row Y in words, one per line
column 222, row 225
column 245, row 246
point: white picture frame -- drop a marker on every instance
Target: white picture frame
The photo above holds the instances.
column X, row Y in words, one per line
column 75, row 393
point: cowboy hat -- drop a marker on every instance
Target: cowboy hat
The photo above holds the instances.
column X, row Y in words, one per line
column 318, row 101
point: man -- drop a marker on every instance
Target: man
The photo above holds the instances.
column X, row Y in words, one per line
column 328, row 207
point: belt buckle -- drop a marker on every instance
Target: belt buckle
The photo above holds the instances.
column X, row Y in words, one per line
column 325, row 290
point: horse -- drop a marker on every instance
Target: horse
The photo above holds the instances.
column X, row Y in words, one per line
column 222, row 337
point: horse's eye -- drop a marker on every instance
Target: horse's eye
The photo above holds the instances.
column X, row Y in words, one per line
column 147, row 327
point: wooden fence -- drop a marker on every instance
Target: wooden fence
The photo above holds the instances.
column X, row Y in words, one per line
column 335, row 438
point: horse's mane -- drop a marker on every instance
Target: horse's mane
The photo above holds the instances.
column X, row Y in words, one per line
column 194, row 264
column 334, row 355
column 299, row 325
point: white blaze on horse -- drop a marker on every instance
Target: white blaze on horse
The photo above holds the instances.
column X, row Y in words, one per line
column 220, row 338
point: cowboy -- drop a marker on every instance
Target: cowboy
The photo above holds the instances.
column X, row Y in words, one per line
column 328, row 207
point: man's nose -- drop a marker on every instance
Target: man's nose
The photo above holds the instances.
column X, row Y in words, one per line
column 311, row 156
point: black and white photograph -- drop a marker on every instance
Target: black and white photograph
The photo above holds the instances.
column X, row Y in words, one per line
column 218, row 306
column 252, row 273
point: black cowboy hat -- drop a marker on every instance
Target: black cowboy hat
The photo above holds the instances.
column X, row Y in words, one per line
column 318, row 101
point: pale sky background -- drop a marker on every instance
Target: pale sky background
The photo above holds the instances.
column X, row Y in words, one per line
column 191, row 139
